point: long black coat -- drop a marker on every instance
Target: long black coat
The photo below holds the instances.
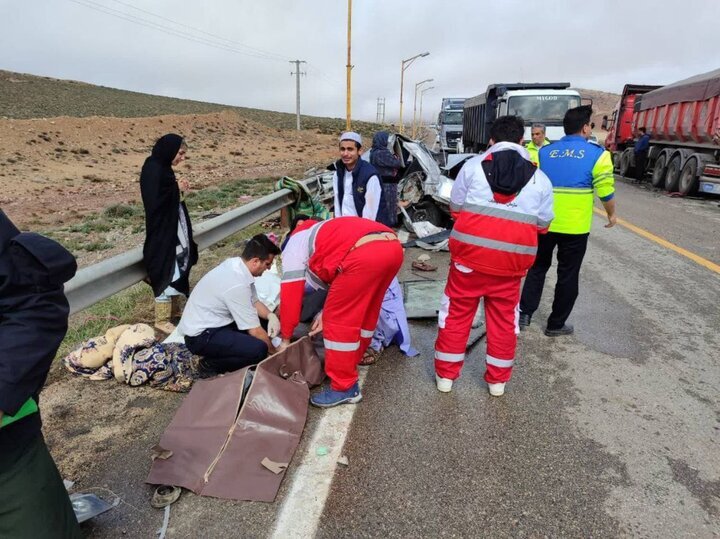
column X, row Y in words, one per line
column 33, row 322
column 161, row 199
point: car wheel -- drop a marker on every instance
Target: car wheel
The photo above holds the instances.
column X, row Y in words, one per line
column 426, row 210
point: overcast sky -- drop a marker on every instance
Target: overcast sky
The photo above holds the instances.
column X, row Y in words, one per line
column 236, row 52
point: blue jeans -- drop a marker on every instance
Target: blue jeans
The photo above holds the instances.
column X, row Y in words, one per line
column 227, row 348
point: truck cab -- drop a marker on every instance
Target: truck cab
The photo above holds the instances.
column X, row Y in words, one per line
column 450, row 122
column 546, row 107
column 619, row 126
column 538, row 102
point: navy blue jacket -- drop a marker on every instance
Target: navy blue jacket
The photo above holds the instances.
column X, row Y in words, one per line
column 361, row 174
column 384, row 161
column 642, row 144
column 33, row 322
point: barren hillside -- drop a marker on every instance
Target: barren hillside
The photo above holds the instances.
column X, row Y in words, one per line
column 603, row 104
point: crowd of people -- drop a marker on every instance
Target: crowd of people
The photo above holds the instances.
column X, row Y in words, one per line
column 512, row 209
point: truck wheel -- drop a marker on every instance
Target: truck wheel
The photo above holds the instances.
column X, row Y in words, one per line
column 672, row 176
column 688, row 184
column 625, row 163
column 659, row 170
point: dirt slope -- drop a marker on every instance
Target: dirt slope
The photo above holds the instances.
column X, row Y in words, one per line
column 53, row 171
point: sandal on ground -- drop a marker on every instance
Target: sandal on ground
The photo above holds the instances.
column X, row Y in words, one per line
column 370, row 356
column 423, row 266
column 165, row 495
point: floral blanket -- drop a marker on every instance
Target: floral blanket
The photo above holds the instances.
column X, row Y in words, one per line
column 132, row 355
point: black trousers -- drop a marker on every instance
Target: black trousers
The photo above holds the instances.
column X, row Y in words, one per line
column 640, row 164
column 571, row 250
column 227, row 348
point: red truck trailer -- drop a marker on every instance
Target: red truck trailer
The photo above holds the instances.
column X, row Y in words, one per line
column 683, row 120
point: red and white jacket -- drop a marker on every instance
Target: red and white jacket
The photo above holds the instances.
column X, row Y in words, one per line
column 496, row 233
column 314, row 256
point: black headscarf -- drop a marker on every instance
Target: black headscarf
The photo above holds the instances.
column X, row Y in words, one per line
column 383, row 159
column 161, row 199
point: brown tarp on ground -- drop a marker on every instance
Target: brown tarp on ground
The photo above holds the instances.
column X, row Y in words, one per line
column 218, row 445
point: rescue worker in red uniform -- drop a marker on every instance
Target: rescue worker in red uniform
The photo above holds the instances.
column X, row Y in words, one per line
column 500, row 202
column 355, row 259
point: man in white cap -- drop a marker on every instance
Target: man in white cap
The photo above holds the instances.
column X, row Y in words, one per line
column 356, row 183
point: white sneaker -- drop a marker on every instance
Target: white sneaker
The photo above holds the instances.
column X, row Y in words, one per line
column 443, row 384
column 496, row 390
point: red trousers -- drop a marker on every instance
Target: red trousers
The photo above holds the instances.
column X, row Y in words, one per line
column 353, row 306
column 459, row 305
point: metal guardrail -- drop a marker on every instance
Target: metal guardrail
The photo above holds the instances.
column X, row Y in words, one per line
column 104, row 279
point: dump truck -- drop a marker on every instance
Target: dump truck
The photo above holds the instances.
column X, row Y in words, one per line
column 619, row 125
column 450, row 122
column 537, row 102
column 683, row 121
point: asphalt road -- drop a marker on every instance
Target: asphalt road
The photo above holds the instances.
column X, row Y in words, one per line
column 614, row 431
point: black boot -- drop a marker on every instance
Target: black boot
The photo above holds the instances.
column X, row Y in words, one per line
column 524, row 320
column 567, row 329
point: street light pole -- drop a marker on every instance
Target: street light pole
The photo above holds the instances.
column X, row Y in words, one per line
column 422, row 93
column 403, row 66
column 415, row 106
column 348, row 104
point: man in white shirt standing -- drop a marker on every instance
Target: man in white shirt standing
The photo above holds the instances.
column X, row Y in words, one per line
column 356, row 183
column 221, row 320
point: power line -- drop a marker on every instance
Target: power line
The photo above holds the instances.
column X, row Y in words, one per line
column 171, row 31
column 212, row 40
column 230, row 41
column 328, row 78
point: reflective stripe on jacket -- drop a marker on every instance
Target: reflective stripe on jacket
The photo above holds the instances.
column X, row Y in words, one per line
column 497, row 234
column 315, row 255
column 576, row 168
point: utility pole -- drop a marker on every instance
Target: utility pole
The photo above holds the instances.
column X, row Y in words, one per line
column 297, row 88
column 349, row 67
column 380, row 116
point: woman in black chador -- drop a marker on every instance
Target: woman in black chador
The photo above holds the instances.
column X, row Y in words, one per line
column 169, row 251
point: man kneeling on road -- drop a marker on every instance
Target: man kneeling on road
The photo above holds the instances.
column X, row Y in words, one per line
column 356, row 259
column 221, row 321
column 500, row 202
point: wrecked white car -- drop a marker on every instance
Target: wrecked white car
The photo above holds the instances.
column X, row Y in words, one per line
column 424, row 186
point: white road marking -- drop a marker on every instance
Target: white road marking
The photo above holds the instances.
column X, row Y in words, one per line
column 304, row 503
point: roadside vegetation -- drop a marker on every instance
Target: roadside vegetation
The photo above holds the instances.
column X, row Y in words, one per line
column 100, row 231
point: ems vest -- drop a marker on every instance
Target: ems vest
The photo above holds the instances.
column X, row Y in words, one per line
column 533, row 151
column 361, row 175
column 576, row 168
